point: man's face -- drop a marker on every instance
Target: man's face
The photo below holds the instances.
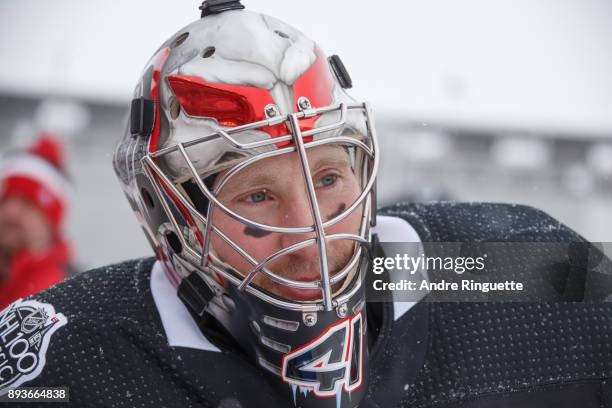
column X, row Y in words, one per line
column 22, row 225
column 273, row 192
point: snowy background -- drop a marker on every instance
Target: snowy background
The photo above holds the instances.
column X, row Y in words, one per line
column 476, row 100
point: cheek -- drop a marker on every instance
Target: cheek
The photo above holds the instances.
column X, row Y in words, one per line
column 258, row 247
column 36, row 221
column 348, row 225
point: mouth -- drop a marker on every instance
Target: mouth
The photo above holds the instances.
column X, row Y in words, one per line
column 10, row 225
column 307, row 270
column 304, row 295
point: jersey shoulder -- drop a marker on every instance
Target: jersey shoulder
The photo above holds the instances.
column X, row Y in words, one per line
column 510, row 354
column 83, row 327
column 477, row 221
column 121, row 290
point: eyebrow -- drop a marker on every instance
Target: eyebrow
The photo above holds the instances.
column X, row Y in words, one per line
column 328, row 161
column 249, row 181
column 240, row 183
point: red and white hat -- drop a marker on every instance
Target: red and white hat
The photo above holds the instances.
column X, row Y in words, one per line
column 38, row 175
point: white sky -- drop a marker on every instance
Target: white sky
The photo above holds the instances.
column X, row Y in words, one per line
column 537, row 64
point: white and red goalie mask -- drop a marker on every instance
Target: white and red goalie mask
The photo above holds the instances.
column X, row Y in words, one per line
column 223, row 94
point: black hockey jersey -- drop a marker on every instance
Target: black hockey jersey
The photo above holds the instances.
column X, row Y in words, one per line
column 107, row 336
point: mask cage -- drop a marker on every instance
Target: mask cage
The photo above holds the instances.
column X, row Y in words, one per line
column 195, row 237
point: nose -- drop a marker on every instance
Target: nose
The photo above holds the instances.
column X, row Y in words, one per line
column 297, row 212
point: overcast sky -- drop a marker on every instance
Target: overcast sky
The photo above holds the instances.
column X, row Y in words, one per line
column 522, row 63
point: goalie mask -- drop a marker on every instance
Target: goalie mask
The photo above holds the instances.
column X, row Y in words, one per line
column 251, row 171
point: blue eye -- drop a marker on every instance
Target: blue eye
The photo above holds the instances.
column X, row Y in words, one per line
column 258, row 197
column 328, row 180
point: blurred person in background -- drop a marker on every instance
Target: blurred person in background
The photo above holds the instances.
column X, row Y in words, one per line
column 33, row 201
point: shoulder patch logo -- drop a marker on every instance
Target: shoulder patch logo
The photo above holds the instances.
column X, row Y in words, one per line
column 25, row 331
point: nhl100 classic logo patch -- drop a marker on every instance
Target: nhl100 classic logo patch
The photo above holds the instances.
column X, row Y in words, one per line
column 25, row 330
